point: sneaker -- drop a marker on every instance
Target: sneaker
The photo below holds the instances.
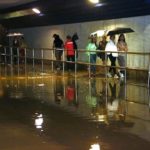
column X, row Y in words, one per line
column 115, row 76
column 121, row 75
column 109, row 75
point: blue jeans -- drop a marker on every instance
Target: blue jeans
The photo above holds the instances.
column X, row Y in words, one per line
column 93, row 61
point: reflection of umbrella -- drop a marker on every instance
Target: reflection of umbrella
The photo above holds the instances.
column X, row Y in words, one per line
column 119, row 31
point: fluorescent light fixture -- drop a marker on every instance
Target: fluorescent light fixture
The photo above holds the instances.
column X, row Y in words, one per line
column 95, row 147
column 99, row 33
column 14, row 34
column 94, row 1
column 37, row 11
column 98, row 5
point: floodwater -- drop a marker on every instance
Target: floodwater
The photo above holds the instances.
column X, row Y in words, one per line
column 73, row 113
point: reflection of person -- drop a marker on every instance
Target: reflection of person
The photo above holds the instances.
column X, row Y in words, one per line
column 122, row 46
column 70, row 52
column 58, row 47
column 111, row 47
column 116, row 104
column 59, row 90
column 23, row 45
column 71, row 92
column 91, row 97
column 101, row 46
column 16, row 45
column 91, row 52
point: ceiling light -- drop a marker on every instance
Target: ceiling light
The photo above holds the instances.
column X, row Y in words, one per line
column 98, row 5
column 37, row 11
column 94, row 1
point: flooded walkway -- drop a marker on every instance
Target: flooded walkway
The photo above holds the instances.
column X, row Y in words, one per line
column 69, row 113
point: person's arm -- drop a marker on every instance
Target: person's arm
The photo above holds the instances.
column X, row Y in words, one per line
column 126, row 47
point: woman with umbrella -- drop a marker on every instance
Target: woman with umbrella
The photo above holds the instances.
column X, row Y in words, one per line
column 122, row 46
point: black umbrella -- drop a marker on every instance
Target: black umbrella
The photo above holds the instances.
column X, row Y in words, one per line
column 119, row 31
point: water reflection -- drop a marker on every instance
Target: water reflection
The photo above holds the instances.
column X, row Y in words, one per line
column 59, row 89
column 98, row 100
column 95, row 147
column 39, row 121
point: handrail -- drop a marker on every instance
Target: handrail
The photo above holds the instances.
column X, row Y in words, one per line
column 76, row 60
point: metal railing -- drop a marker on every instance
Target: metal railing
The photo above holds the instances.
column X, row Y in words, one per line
column 7, row 56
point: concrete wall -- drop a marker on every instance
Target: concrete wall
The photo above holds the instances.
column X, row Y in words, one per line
column 139, row 41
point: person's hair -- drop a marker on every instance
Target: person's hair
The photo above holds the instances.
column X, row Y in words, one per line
column 68, row 37
column 119, row 39
column 111, row 36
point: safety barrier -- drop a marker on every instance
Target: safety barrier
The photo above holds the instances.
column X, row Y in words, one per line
column 8, row 56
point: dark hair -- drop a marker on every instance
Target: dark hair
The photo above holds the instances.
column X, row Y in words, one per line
column 119, row 39
column 68, row 37
column 55, row 35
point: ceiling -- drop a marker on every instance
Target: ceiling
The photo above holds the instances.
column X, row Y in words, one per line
column 69, row 11
column 11, row 3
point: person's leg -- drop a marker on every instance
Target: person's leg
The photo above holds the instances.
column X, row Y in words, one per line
column 72, row 65
column 93, row 61
column 59, row 60
column 121, row 62
column 68, row 64
column 110, row 58
column 113, row 64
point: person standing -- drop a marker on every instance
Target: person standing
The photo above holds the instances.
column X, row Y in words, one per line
column 111, row 47
column 101, row 46
column 91, row 52
column 74, row 39
column 122, row 47
column 58, row 50
column 70, row 52
column 16, row 45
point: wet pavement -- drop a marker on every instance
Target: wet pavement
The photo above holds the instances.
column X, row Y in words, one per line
column 73, row 113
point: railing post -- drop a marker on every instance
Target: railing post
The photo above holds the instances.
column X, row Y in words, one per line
column 148, row 75
column 75, row 63
column 63, row 62
column 11, row 61
column 25, row 60
column 18, row 57
column 42, row 61
column 105, row 64
column 33, row 63
column 125, row 76
column 11, row 56
column 5, row 55
column 52, row 51
column 89, row 65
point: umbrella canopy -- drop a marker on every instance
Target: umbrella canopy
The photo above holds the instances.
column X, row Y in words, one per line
column 119, row 31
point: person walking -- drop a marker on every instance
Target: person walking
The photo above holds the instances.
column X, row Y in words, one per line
column 70, row 52
column 58, row 50
column 122, row 47
column 111, row 47
column 91, row 52
column 101, row 47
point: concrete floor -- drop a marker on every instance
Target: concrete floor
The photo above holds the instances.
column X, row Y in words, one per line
column 55, row 112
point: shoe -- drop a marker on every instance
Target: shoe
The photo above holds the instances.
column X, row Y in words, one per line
column 121, row 75
column 109, row 75
column 115, row 76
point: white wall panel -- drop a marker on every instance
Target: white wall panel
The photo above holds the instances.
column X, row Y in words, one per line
column 137, row 41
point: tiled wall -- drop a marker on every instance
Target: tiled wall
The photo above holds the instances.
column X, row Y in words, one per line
column 139, row 41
